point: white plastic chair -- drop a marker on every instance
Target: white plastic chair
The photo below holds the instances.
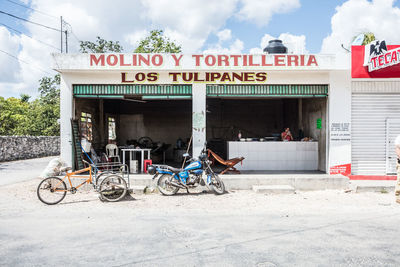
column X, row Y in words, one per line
column 112, row 151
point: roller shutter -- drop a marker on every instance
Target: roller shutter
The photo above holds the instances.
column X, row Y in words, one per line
column 374, row 108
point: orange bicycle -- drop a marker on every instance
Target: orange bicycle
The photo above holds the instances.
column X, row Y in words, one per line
column 52, row 190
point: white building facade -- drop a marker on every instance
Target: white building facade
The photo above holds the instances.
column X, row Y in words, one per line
column 212, row 98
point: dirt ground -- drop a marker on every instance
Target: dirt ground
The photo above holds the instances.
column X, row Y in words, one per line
column 235, row 229
column 23, row 195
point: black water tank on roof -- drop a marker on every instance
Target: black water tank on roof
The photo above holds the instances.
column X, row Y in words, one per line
column 275, row 47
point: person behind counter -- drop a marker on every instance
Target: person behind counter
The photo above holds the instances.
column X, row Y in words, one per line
column 287, row 135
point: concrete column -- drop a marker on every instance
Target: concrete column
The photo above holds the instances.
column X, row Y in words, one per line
column 300, row 112
column 101, row 125
column 198, row 117
column 66, row 113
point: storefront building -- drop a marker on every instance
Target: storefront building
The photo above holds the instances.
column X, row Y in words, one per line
column 122, row 98
column 375, row 108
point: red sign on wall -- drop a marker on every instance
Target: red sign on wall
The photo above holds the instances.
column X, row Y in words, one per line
column 344, row 169
column 384, row 64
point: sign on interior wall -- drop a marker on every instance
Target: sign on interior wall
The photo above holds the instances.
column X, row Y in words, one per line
column 319, row 123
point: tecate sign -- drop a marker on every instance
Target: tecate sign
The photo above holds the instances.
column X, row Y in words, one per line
column 375, row 60
column 380, row 57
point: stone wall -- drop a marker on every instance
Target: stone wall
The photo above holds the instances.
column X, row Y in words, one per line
column 27, row 147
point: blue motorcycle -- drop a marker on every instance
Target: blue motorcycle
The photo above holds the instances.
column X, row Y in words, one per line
column 197, row 172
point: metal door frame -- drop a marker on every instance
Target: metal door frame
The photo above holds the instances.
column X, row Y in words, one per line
column 388, row 120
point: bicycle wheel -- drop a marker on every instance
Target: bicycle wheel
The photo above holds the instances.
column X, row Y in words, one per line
column 113, row 188
column 51, row 190
column 103, row 175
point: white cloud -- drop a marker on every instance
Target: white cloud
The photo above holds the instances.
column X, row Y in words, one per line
column 224, row 35
column 9, row 44
column 357, row 16
column 134, row 38
column 296, row 44
column 261, row 11
column 188, row 22
column 235, row 48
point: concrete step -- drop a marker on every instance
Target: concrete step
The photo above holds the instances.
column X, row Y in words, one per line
column 379, row 189
column 141, row 179
column 273, row 189
column 302, row 182
column 380, row 186
column 137, row 189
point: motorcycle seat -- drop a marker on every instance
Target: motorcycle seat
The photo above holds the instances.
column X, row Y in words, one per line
column 174, row 170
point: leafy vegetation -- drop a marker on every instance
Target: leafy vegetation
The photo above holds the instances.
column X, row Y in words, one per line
column 100, row 46
column 19, row 116
column 368, row 37
column 156, row 42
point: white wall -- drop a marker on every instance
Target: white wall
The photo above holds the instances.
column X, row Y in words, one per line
column 66, row 112
column 339, row 116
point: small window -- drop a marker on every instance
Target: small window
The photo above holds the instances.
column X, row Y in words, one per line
column 111, row 129
column 86, row 126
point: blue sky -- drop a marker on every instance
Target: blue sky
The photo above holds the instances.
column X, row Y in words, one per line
column 224, row 26
column 313, row 19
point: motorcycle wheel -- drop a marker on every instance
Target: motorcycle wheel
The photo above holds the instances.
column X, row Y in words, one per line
column 217, row 185
column 164, row 188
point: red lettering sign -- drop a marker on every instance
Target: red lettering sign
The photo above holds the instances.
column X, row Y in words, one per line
column 95, row 60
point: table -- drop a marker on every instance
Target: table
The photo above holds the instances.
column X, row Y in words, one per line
column 133, row 152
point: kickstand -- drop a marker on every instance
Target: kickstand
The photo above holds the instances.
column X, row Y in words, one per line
column 187, row 189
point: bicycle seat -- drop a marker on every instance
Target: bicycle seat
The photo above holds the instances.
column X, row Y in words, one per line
column 65, row 169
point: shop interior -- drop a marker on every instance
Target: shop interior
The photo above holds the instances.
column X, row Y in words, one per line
column 165, row 126
column 263, row 120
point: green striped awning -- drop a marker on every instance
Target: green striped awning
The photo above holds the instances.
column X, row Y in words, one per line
column 268, row 90
column 116, row 90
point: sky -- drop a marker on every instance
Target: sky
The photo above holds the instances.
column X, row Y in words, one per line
column 207, row 26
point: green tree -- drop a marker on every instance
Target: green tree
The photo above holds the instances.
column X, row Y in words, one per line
column 45, row 110
column 25, row 97
column 100, row 46
column 368, row 37
column 156, row 42
column 14, row 116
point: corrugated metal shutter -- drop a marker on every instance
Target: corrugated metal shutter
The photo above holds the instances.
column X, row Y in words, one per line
column 293, row 90
column 371, row 108
column 82, row 90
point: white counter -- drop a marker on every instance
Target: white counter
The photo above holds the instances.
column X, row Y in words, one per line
column 275, row 155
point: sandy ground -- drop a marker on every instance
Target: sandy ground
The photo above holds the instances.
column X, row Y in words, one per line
column 22, row 170
column 240, row 228
column 24, row 195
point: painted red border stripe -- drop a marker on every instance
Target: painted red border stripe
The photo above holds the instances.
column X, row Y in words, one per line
column 373, row 177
